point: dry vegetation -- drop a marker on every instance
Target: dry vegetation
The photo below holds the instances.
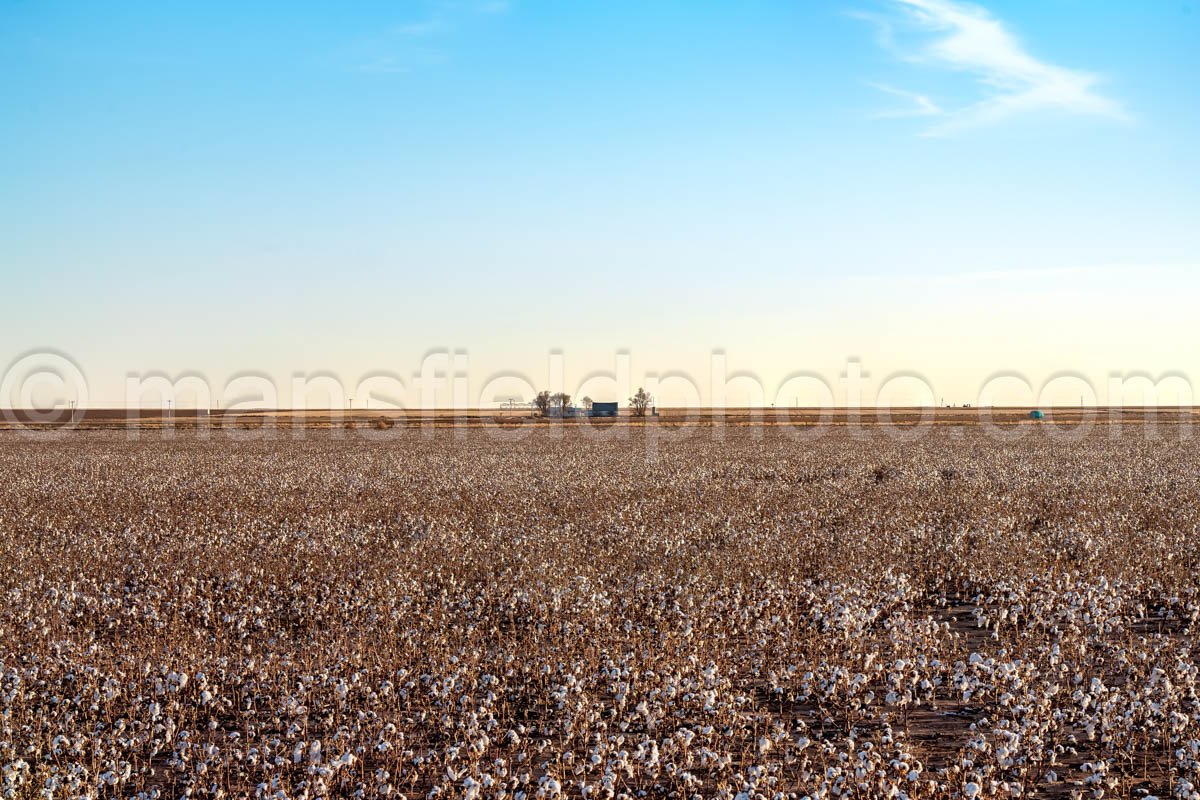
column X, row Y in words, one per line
column 441, row 614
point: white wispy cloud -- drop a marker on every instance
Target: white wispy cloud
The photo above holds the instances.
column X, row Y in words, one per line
column 414, row 30
column 967, row 38
column 919, row 105
column 416, row 44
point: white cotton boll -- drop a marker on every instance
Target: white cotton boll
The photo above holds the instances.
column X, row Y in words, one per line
column 971, row 790
column 548, row 787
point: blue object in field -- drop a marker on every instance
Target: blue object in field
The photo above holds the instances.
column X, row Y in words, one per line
column 603, row 410
column 1037, row 414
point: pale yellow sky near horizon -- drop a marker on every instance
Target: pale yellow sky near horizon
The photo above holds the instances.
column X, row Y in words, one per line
column 1064, row 334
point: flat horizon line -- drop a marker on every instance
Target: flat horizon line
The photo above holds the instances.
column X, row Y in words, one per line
column 525, row 410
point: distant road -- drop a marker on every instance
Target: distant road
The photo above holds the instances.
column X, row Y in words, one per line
column 92, row 419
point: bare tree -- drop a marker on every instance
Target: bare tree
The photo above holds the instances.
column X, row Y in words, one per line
column 561, row 401
column 542, row 402
column 640, row 402
column 587, row 403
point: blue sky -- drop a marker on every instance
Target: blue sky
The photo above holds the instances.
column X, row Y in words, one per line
column 924, row 185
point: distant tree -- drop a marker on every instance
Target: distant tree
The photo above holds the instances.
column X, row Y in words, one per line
column 640, row 402
column 587, row 403
column 542, row 402
column 561, row 401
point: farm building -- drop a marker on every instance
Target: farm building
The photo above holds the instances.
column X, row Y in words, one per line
column 603, row 410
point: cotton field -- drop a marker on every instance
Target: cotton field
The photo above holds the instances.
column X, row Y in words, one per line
column 716, row 614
